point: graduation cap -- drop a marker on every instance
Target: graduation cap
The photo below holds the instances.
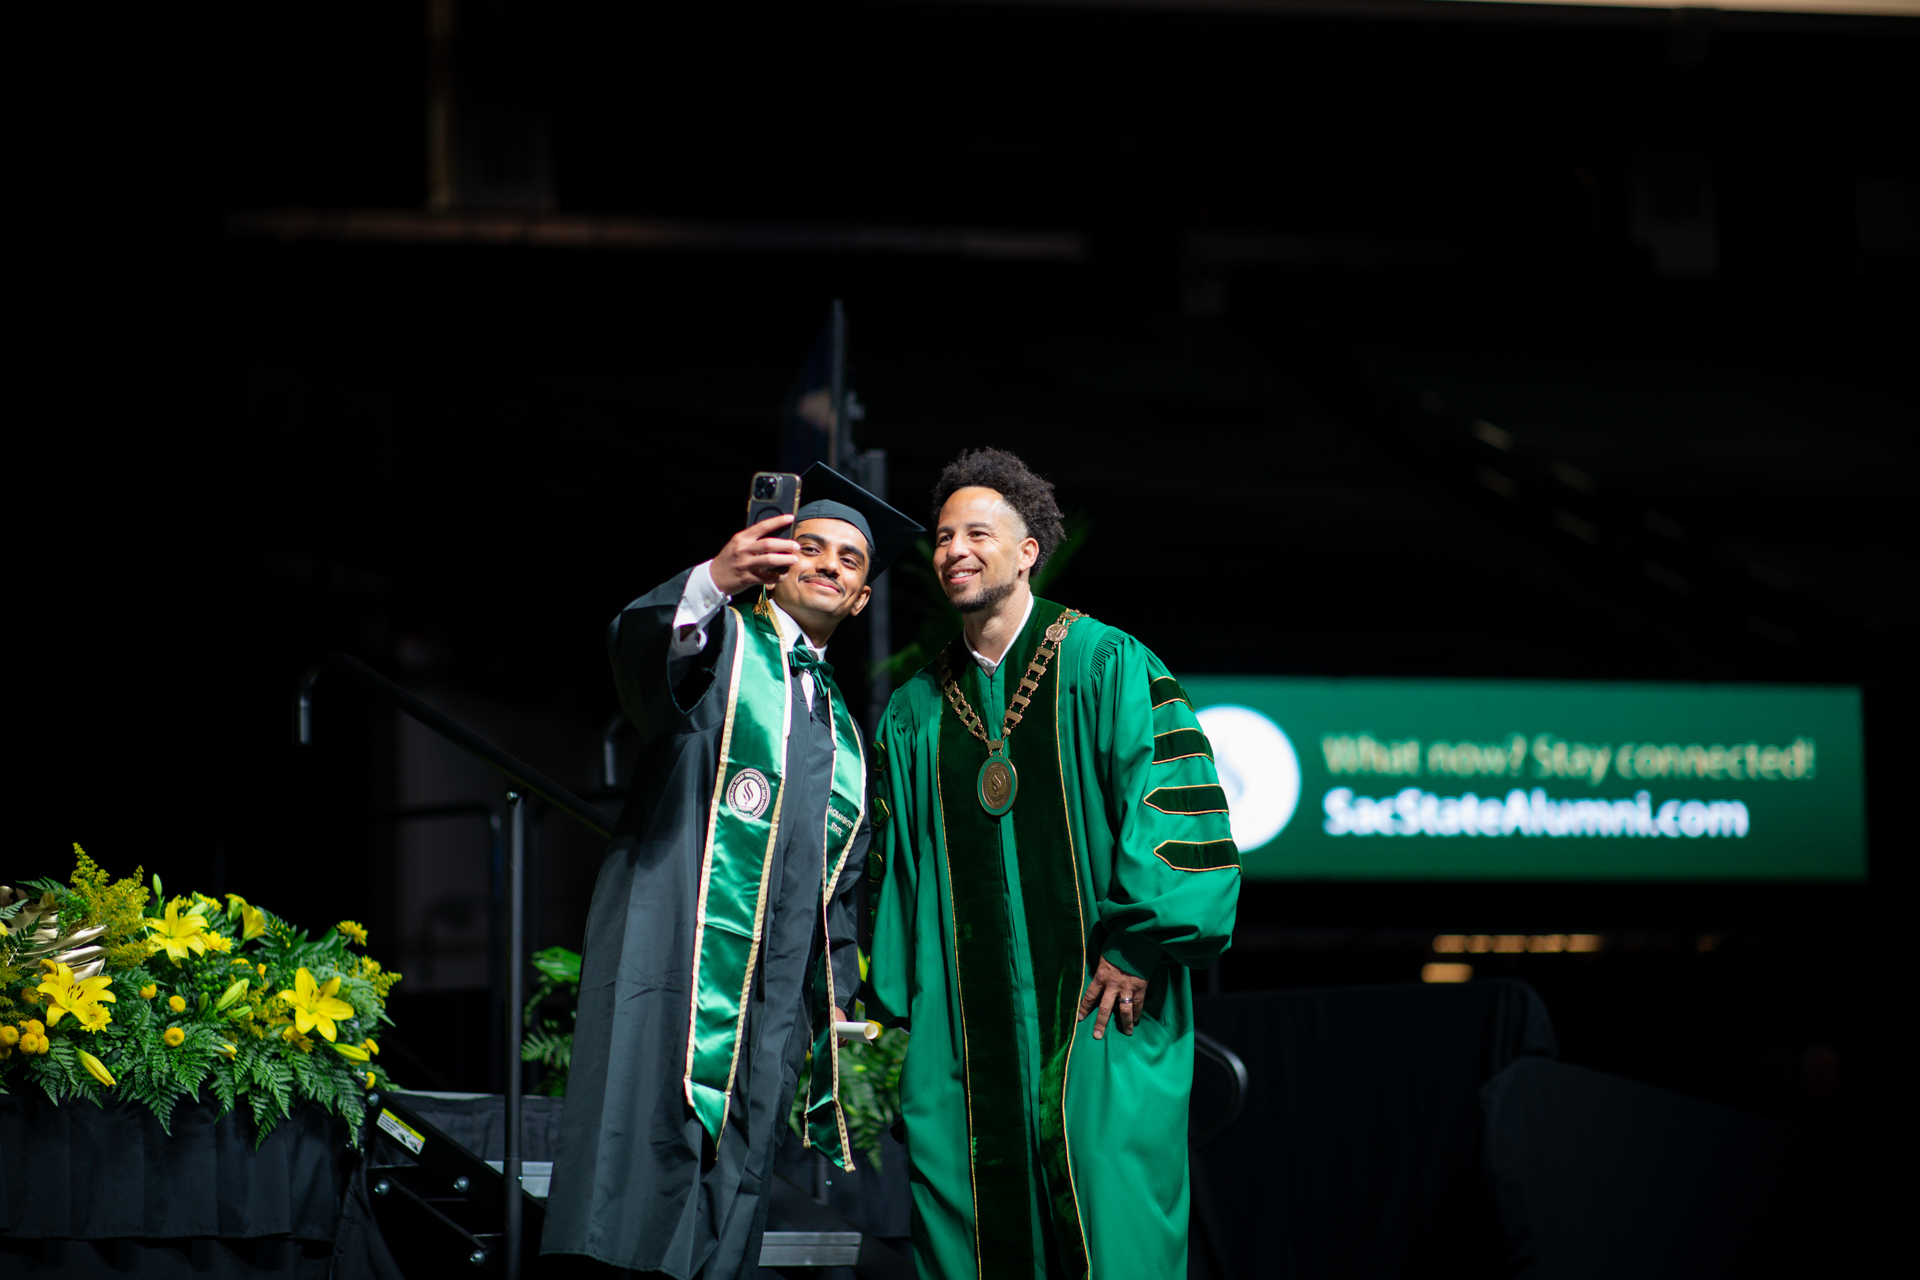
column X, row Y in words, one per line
column 828, row 495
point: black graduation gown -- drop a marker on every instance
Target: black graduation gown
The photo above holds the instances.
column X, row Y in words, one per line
column 636, row 1181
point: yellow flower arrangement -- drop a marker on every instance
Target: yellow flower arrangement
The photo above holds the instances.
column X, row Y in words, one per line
column 228, row 965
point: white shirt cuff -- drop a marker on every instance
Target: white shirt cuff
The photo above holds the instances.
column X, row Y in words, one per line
column 699, row 602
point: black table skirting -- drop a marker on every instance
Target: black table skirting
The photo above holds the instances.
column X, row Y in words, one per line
column 90, row 1190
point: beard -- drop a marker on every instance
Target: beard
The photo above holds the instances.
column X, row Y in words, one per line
column 988, row 597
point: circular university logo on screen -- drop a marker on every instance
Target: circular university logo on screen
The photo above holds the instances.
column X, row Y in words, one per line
column 1258, row 771
column 749, row 792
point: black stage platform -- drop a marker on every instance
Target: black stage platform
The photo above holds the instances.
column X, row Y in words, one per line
column 1394, row 1131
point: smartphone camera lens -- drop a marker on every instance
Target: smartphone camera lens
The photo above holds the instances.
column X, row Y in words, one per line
column 765, row 487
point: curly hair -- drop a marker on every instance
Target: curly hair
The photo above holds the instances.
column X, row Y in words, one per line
column 1030, row 496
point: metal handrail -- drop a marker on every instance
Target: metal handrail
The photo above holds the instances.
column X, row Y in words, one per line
column 524, row 776
column 1237, row 1069
column 524, row 780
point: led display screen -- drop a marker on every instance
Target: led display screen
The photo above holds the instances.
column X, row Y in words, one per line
column 1443, row 780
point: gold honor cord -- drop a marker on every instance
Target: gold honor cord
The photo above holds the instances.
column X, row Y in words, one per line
column 997, row 784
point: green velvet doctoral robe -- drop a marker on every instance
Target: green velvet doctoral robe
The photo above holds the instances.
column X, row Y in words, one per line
column 1035, row 1149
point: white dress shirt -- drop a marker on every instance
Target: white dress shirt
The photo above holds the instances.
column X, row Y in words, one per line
column 703, row 600
column 990, row 665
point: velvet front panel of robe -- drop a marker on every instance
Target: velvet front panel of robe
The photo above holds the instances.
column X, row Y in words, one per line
column 637, row 1183
column 1146, row 901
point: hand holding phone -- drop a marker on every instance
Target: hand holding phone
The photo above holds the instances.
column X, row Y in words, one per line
column 760, row 554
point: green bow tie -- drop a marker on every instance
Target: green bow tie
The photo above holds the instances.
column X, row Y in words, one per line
column 804, row 659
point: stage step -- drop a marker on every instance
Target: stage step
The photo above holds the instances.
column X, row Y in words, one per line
column 434, row 1216
column 438, row 1205
column 535, row 1175
column 810, row 1249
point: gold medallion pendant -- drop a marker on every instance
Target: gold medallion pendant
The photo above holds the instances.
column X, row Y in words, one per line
column 997, row 783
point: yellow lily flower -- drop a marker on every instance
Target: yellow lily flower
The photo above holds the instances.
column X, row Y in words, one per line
column 315, row 1004
column 351, row 1052
column 252, row 920
column 96, row 1068
column 68, row 994
column 177, row 935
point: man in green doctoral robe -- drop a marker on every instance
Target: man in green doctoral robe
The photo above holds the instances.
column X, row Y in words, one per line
column 722, row 933
column 1051, row 851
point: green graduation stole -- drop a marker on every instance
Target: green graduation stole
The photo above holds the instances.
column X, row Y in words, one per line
column 743, row 822
column 997, row 1116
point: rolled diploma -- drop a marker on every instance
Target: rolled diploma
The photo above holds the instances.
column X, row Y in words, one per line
column 857, row 1030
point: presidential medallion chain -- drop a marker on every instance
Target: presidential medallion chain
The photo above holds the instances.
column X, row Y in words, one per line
column 997, row 783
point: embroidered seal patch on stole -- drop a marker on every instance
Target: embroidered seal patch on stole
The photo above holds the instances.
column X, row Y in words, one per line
column 749, row 793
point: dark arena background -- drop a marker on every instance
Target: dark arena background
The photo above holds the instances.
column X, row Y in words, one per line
column 1406, row 340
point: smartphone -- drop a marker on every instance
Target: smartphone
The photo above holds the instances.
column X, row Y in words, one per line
column 774, row 493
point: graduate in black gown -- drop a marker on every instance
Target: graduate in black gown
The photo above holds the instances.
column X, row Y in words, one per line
column 721, row 939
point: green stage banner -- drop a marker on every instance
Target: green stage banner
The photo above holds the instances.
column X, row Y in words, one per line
column 1511, row 780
